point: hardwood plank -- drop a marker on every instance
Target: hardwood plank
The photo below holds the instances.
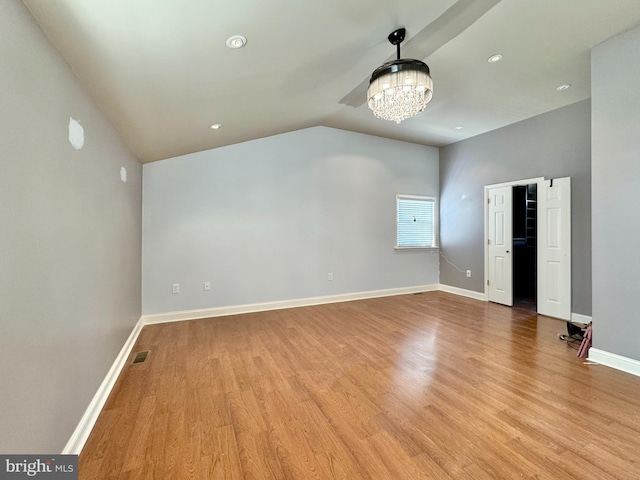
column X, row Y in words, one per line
column 430, row 386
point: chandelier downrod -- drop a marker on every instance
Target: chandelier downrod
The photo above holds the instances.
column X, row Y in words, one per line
column 396, row 38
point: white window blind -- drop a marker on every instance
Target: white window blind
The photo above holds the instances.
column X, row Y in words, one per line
column 416, row 220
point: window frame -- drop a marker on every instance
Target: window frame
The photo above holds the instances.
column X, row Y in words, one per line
column 422, row 198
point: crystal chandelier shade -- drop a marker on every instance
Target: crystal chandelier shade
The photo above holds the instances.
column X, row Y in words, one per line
column 399, row 89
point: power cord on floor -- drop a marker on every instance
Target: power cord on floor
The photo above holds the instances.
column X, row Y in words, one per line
column 574, row 341
column 452, row 264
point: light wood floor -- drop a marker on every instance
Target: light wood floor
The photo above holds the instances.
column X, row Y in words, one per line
column 431, row 386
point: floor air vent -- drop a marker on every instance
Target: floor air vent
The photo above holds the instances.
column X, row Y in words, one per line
column 141, row 357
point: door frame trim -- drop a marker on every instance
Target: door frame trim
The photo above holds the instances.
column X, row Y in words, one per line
column 514, row 183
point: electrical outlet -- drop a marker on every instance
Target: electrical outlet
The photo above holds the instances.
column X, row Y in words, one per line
column 176, row 288
column 207, row 286
column 330, row 276
column 468, row 273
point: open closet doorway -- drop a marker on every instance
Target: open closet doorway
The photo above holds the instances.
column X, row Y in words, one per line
column 529, row 265
column 524, row 241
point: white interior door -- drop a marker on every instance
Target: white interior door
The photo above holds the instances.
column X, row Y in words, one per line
column 554, row 248
column 500, row 279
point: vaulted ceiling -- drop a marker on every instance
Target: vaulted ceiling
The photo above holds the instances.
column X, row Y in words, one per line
column 162, row 73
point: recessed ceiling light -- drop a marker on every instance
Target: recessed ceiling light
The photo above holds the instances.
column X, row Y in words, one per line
column 458, row 127
column 236, row 41
column 495, row 58
column 564, row 87
column 215, row 126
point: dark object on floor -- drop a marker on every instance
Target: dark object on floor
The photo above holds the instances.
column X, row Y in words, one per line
column 575, row 331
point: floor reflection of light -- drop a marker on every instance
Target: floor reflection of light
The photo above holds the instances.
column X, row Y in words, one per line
column 415, row 365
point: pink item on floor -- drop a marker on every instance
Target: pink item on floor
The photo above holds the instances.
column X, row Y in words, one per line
column 583, row 351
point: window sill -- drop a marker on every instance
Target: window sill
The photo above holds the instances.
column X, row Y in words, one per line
column 416, row 248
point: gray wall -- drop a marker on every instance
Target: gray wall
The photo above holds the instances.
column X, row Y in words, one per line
column 69, row 243
column 615, row 72
column 267, row 220
column 555, row 144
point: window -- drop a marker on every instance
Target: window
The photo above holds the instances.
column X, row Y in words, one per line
column 416, row 219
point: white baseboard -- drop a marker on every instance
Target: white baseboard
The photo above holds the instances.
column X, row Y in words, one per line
column 261, row 307
column 628, row 365
column 580, row 318
column 462, row 292
column 81, row 433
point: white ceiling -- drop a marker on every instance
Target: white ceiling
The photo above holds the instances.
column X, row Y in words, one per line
column 162, row 73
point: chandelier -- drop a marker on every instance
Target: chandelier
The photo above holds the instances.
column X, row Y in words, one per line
column 399, row 89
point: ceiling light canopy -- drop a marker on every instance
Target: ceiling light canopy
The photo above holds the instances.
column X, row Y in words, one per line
column 495, row 58
column 399, row 89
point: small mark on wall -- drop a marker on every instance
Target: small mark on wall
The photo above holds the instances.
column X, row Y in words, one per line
column 76, row 134
column 123, row 174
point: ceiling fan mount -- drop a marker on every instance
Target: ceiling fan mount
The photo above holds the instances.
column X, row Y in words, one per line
column 397, row 37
